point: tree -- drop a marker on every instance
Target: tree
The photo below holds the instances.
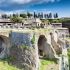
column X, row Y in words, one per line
column 15, row 15
column 39, row 15
column 50, row 15
column 29, row 14
column 56, row 15
column 16, row 19
column 42, row 15
column 50, row 20
column 23, row 15
column 35, row 15
column 4, row 16
column 47, row 15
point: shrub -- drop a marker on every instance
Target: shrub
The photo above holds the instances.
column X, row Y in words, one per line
column 33, row 39
column 24, row 47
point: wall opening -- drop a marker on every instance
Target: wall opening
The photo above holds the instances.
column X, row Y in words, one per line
column 4, row 46
column 1, row 44
column 41, row 44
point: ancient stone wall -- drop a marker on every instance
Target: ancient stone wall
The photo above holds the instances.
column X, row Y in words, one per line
column 5, row 45
column 20, row 39
column 24, row 51
column 23, row 47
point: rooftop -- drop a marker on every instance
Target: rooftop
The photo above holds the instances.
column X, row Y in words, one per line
column 5, row 21
column 60, row 28
column 56, row 23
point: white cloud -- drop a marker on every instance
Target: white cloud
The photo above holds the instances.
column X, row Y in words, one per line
column 21, row 1
column 34, row 1
column 12, row 12
column 26, row 1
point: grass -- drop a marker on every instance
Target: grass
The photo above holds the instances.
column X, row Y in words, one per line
column 69, row 57
column 45, row 63
column 33, row 39
column 68, row 38
column 5, row 66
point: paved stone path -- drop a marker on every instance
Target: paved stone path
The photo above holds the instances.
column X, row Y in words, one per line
column 52, row 67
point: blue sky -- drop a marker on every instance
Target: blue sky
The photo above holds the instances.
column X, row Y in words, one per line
column 62, row 7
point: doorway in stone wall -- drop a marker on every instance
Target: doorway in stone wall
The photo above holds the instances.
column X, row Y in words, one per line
column 1, row 44
column 41, row 45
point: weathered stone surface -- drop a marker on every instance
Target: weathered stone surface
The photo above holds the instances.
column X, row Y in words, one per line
column 24, row 58
column 20, row 38
column 5, row 44
column 28, row 58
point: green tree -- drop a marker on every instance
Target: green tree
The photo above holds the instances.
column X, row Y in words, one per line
column 16, row 19
column 29, row 14
column 34, row 15
column 47, row 15
column 50, row 15
column 15, row 15
column 23, row 15
column 33, row 39
column 4, row 16
column 50, row 20
column 56, row 15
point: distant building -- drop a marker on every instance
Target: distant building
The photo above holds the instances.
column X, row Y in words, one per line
column 26, row 23
column 62, row 32
column 66, row 24
column 56, row 25
column 32, row 22
column 7, row 23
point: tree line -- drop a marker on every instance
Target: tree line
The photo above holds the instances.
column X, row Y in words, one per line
column 49, row 16
column 34, row 15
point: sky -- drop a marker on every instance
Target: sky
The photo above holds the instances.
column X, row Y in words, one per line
column 62, row 7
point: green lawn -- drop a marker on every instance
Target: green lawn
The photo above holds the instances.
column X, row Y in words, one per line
column 44, row 63
column 5, row 66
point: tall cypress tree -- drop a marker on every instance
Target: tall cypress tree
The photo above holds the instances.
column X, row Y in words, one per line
column 56, row 15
